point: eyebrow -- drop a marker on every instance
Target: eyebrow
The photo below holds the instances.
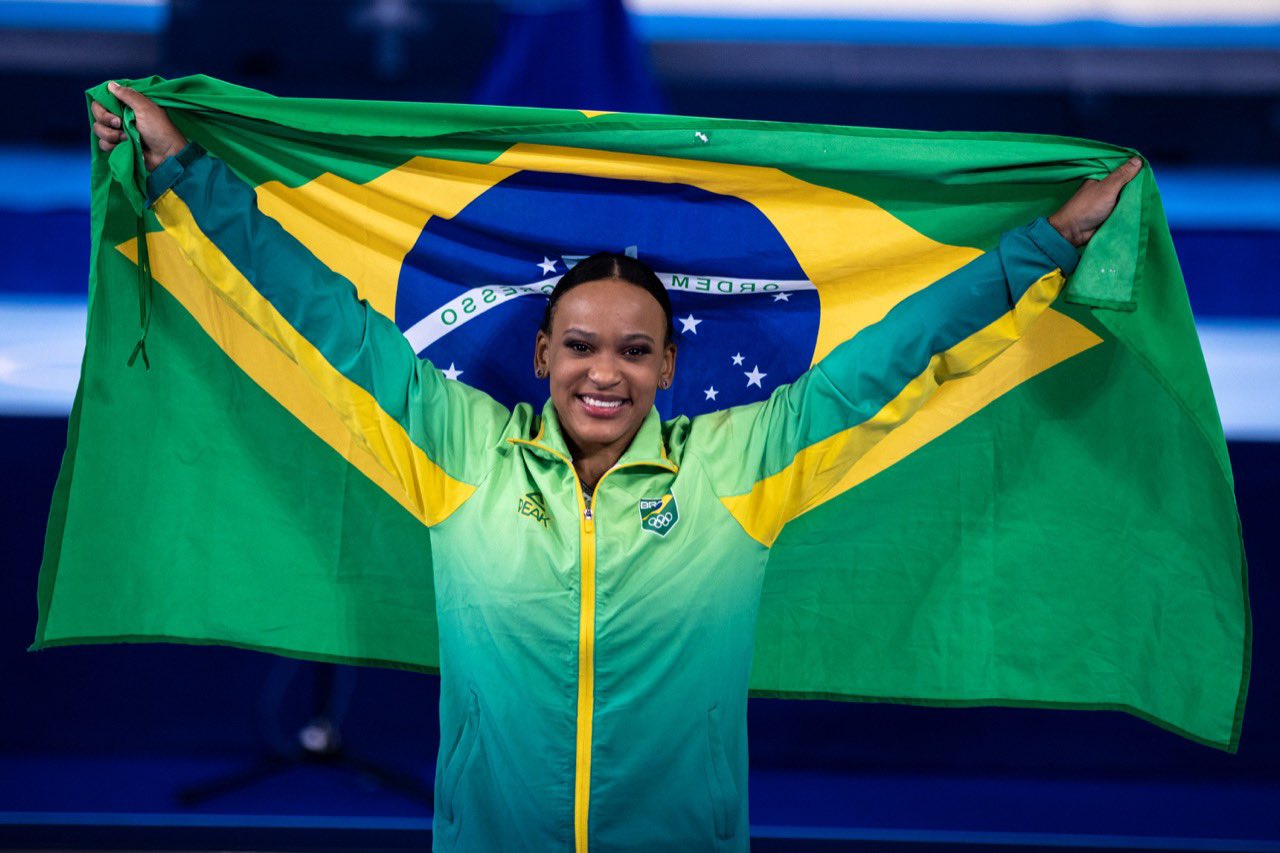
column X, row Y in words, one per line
column 634, row 336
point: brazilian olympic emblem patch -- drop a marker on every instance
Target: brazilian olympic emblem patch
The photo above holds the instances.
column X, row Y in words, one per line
column 659, row 515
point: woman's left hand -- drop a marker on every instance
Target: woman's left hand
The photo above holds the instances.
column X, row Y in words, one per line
column 1083, row 213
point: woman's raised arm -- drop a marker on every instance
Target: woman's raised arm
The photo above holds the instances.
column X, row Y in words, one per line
column 772, row 460
column 435, row 436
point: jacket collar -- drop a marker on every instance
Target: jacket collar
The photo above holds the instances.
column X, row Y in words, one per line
column 646, row 447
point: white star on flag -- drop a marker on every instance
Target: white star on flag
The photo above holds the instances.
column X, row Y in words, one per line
column 548, row 265
column 711, row 392
column 782, row 297
column 689, row 324
column 451, row 372
column 737, row 359
column 754, row 377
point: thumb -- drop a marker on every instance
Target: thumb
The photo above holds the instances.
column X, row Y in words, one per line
column 126, row 96
column 1124, row 173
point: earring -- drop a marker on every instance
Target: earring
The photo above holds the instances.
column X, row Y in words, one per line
column 540, row 373
column 664, row 384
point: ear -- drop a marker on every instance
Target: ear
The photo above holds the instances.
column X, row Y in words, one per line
column 668, row 371
column 540, row 344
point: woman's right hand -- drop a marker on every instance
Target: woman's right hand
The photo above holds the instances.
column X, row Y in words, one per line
column 160, row 138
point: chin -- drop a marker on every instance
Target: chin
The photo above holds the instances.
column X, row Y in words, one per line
column 592, row 432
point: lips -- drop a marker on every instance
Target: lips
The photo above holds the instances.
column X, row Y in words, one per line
column 602, row 405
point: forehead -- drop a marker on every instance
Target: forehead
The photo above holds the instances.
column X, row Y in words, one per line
column 609, row 306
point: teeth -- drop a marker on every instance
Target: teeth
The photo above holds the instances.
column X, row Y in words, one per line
column 601, row 404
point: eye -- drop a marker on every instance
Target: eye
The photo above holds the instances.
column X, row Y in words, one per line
column 577, row 346
column 637, row 352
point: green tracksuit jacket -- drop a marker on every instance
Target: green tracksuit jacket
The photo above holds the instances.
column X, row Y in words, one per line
column 594, row 657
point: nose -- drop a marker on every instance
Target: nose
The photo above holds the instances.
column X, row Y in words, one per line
column 604, row 372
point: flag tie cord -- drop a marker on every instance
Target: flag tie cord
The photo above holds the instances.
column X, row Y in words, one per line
column 144, row 296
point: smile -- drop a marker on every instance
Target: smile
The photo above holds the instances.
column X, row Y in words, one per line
column 601, row 407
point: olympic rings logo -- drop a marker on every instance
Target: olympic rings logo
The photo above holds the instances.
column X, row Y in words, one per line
column 666, row 519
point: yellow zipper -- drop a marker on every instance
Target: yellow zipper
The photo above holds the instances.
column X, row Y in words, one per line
column 586, row 665
column 586, row 639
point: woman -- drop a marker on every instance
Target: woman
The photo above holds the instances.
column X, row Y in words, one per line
column 597, row 571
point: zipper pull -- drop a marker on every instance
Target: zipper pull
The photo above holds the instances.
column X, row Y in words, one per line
column 586, row 513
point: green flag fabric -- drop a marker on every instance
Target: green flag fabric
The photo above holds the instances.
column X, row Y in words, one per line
column 1057, row 529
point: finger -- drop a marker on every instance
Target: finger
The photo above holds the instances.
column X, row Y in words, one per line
column 104, row 115
column 105, row 145
column 1124, row 173
column 104, row 131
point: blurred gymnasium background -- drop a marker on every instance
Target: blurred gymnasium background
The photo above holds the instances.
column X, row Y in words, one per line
column 101, row 747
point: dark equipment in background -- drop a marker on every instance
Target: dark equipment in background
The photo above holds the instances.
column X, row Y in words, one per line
column 318, row 742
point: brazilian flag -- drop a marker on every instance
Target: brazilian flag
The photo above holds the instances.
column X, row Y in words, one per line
column 1057, row 530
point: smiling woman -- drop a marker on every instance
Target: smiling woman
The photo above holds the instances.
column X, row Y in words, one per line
column 597, row 571
column 606, row 346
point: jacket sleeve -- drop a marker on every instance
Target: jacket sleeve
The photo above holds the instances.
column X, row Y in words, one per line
column 434, row 436
column 770, row 461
